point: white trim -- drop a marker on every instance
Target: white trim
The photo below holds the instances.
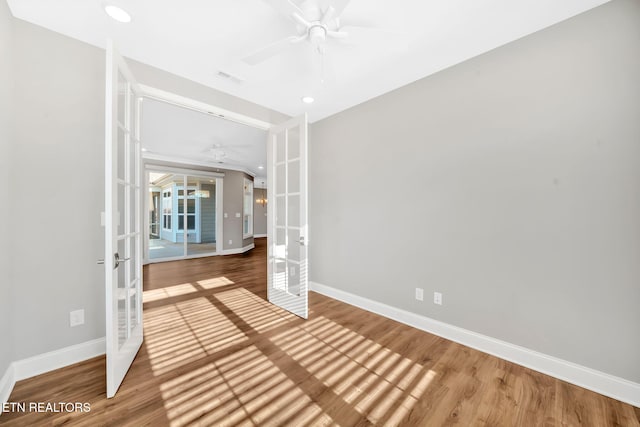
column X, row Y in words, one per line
column 600, row 382
column 7, row 382
column 181, row 258
column 46, row 362
column 36, row 365
column 174, row 159
column 203, row 107
column 258, row 236
column 152, row 167
column 247, row 182
column 219, row 215
column 238, row 250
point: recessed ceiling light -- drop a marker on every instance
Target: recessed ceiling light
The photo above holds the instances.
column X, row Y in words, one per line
column 117, row 13
column 307, row 99
column 144, row 149
column 260, row 167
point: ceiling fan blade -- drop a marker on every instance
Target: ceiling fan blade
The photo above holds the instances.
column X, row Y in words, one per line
column 301, row 20
column 328, row 15
column 338, row 7
column 271, row 50
column 338, row 34
column 286, row 8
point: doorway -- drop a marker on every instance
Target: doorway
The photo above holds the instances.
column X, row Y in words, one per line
column 286, row 148
column 188, row 155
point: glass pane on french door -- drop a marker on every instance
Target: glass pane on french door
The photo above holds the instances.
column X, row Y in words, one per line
column 128, row 196
column 287, row 226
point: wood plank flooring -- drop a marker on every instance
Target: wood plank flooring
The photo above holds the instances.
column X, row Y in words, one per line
column 216, row 353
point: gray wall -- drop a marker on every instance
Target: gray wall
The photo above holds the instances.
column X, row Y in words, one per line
column 510, row 183
column 233, row 199
column 6, row 119
column 259, row 212
column 58, row 148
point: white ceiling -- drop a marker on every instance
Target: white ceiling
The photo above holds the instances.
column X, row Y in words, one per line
column 178, row 134
column 196, row 38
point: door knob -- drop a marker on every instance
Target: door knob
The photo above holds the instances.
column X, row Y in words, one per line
column 117, row 260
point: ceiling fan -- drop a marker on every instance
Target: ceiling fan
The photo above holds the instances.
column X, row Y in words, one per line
column 219, row 153
column 318, row 22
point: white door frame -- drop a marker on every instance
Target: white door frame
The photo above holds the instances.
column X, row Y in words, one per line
column 202, row 107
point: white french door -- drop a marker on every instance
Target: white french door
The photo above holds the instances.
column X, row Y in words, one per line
column 123, row 237
column 287, row 226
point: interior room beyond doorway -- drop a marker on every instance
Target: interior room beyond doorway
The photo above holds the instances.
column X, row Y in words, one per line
column 182, row 215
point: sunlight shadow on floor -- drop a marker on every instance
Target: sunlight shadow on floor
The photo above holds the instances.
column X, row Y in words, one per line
column 253, row 363
column 259, row 314
column 243, row 388
column 215, row 282
column 180, row 333
column 366, row 375
column 167, row 292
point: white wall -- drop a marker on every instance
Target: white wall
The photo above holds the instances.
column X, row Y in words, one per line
column 6, row 136
column 510, row 183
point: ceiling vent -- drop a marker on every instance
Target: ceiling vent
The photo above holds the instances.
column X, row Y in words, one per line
column 228, row 76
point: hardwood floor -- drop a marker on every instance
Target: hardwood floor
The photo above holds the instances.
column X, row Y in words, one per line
column 216, row 353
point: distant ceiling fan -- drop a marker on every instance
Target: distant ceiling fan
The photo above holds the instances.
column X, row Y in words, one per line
column 219, row 153
column 317, row 22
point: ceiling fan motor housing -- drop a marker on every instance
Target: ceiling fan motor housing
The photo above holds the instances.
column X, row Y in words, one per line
column 317, row 34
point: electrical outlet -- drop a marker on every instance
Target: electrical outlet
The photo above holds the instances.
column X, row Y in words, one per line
column 231, row 242
column 419, row 294
column 437, row 298
column 76, row 318
column 238, row 215
column 226, row 215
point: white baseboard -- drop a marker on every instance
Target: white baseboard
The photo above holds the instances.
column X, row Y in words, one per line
column 36, row 365
column 238, row 250
column 7, row 382
column 600, row 382
column 258, row 236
